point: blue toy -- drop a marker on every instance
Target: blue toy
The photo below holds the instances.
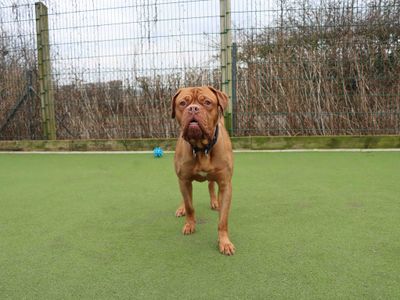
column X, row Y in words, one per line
column 158, row 152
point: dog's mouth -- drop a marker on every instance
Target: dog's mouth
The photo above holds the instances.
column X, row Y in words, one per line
column 193, row 125
column 195, row 131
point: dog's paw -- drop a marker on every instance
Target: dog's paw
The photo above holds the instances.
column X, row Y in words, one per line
column 226, row 247
column 188, row 228
column 214, row 204
column 180, row 212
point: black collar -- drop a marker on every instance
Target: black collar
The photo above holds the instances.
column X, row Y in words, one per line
column 208, row 148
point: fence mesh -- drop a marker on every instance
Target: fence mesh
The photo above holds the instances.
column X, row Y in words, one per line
column 318, row 68
column 19, row 103
column 119, row 66
column 300, row 67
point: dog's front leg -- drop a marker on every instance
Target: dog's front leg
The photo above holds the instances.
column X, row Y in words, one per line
column 225, row 195
column 186, row 190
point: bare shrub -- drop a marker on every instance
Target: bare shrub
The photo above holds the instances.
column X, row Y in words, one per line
column 19, row 105
column 320, row 69
column 118, row 109
column 324, row 70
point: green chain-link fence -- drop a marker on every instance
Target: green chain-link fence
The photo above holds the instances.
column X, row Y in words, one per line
column 290, row 67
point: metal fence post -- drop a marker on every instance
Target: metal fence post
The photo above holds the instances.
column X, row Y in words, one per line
column 226, row 58
column 234, row 84
column 44, row 67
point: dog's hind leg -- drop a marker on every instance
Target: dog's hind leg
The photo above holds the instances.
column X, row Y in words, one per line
column 186, row 190
column 214, row 203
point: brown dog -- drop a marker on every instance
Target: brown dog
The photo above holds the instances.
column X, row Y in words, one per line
column 204, row 152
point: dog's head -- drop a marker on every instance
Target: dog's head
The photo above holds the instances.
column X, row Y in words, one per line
column 198, row 110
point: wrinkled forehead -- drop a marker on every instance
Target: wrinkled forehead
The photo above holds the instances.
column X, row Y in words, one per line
column 197, row 93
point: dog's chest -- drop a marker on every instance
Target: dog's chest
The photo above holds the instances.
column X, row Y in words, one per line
column 202, row 173
column 203, row 168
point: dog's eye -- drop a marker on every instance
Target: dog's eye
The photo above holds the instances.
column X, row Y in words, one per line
column 207, row 102
column 182, row 103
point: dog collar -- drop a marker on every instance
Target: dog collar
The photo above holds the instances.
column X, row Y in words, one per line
column 208, row 148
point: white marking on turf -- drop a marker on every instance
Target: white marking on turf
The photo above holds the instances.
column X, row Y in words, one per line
column 236, row 151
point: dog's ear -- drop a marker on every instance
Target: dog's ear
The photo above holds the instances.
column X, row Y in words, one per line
column 222, row 98
column 173, row 103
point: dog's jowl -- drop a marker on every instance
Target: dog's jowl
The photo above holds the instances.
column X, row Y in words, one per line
column 204, row 153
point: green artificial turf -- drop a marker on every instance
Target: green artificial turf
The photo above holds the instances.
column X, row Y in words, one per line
column 102, row 226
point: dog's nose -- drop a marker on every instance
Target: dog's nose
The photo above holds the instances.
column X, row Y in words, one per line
column 193, row 109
